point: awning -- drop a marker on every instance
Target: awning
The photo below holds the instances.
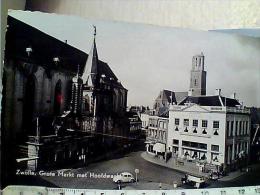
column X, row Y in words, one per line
column 158, row 147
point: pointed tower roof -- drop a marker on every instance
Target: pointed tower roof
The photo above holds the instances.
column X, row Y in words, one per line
column 91, row 68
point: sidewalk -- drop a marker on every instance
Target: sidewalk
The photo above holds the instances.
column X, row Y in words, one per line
column 192, row 168
column 187, row 167
column 238, row 173
column 149, row 186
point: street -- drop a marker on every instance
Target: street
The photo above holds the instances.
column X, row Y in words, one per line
column 150, row 176
column 148, row 173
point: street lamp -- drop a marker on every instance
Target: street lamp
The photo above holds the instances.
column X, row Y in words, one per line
column 136, row 172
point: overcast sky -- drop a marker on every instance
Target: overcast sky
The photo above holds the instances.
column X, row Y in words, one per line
column 147, row 58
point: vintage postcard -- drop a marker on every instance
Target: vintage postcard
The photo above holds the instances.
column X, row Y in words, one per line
column 92, row 104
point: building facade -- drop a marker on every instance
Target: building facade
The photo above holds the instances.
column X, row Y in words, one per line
column 156, row 136
column 210, row 128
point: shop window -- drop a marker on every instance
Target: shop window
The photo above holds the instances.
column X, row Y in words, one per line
column 175, row 141
column 215, row 148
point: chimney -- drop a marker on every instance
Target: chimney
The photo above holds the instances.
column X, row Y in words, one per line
column 218, row 92
column 234, row 95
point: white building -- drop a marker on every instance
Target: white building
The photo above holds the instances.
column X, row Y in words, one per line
column 211, row 128
column 214, row 129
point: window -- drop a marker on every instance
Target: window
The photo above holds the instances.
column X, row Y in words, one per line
column 215, row 124
column 195, row 130
column 194, row 145
column 204, row 123
column 236, row 128
column 186, row 122
column 177, row 121
column 176, row 129
column 246, row 127
column 215, row 148
column 175, row 141
column 240, row 128
column 195, row 123
column 228, row 129
column 231, row 128
column 195, row 82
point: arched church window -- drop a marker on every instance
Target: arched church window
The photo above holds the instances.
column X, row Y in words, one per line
column 58, row 98
column 86, row 103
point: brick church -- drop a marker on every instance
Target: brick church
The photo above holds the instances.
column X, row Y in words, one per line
column 60, row 105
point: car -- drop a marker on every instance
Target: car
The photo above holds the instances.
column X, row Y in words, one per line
column 196, row 181
column 124, row 178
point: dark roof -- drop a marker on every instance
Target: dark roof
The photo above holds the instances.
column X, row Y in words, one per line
column 229, row 102
column 20, row 36
column 176, row 96
column 210, row 101
column 103, row 68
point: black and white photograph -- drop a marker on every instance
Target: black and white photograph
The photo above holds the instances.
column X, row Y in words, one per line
column 89, row 103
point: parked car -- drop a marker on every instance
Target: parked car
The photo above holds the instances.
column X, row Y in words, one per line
column 195, row 181
column 124, row 178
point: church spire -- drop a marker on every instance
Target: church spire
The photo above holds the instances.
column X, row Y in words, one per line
column 90, row 70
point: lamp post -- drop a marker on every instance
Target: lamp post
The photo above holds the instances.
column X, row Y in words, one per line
column 136, row 173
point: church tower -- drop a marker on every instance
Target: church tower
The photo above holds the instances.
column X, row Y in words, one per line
column 198, row 76
column 90, row 80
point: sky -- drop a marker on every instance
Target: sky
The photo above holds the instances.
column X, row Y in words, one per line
column 149, row 58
